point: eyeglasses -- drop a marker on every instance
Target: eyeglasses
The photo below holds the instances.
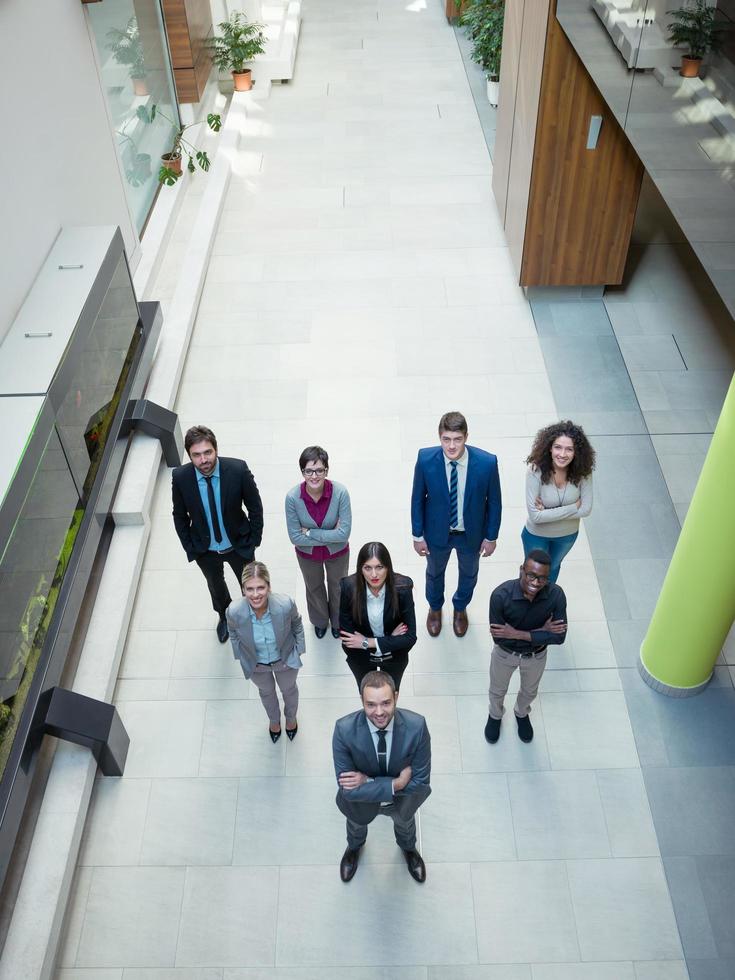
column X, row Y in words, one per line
column 319, row 472
column 535, row 578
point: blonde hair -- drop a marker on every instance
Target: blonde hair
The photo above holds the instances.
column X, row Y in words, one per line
column 256, row 569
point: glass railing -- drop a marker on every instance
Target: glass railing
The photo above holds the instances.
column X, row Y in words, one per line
column 136, row 73
column 36, row 554
column 682, row 128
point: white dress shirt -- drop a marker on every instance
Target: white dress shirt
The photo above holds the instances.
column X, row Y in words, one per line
column 461, row 483
column 388, row 738
column 388, row 744
column 375, row 607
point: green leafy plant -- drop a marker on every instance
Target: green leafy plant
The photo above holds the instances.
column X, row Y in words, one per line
column 137, row 165
column 694, row 28
column 127, row 48
column 170, row 169
column 239, row 41
column 484, row 22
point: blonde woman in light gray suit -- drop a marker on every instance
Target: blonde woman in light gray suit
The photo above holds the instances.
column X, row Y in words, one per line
column 267, row 638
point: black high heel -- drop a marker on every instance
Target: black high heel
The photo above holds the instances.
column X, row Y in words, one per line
column 274, row 735
column 291, row 732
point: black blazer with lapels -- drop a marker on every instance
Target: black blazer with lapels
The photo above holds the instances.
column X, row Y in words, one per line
column 391, row 617
column 244, row 524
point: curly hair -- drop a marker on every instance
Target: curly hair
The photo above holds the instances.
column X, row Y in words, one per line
column 584, row 455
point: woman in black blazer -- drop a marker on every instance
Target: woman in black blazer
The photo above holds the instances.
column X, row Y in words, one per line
column 376, row 615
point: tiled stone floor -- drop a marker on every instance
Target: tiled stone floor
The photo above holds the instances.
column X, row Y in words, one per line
column 359, row 287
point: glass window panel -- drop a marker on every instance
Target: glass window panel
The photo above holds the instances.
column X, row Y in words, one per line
column 136, row 72
column 31, row 572
column 88, row 409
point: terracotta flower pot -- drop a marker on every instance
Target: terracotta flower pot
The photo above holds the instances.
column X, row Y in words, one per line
column 173, row 163
column 243, row 80
column 140, row 86
column 690, row 67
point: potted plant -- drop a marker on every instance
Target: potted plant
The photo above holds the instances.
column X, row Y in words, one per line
column 127, row 49
column 171, row 161
column 239, row 41
column 694, row 28
column 484, row 22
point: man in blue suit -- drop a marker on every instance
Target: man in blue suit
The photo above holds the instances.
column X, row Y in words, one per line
column 455, row 505
column 382, row 760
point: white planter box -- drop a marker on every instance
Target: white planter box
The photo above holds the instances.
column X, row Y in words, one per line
column 493, row 91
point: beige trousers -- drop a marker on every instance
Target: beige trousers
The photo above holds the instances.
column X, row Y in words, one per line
column 265, row 677
column 322, row 602
column 502, row 665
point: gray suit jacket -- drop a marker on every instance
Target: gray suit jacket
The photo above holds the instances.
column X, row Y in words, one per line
column 353, row 750
column 297, row 516
column 287, row 626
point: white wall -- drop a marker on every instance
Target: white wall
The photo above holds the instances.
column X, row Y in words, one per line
column 58, row 163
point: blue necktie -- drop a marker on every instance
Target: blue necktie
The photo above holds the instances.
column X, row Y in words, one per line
column 453, row 516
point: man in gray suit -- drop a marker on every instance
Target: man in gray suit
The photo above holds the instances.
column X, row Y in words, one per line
column 382, row 760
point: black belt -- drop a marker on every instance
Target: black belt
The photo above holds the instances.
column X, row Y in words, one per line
column 225, row 552
column 524, row 655
column 453, row 531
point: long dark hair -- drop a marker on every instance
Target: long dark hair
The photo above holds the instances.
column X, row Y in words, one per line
column 584, row 455
column 373, row 549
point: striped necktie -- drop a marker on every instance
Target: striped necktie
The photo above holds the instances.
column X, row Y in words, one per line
column 453, row 515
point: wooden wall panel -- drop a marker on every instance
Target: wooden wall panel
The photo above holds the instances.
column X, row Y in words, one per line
column 533, row 42
column 188, row 23
column 512, row 29
column 582, row 202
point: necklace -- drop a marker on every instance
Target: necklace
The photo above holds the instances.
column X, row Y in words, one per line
column 561, row 495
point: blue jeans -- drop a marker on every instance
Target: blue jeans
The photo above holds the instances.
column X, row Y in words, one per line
column 468, row 563
column 557, row 548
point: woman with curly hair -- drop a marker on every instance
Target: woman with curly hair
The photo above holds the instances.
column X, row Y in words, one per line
column 558, row 490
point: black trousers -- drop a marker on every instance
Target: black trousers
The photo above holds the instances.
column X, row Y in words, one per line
column 213, row 567
column 361, row 664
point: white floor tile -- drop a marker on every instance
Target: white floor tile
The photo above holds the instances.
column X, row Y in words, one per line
column 622, row 908
column 508, row 896
column 379, row 897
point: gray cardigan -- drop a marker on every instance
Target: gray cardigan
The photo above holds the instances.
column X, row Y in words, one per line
column 333, row 537
column 287, row 626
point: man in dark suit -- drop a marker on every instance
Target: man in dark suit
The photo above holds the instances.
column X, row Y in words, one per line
column 218, row 515
column 382, row 760
column 455, row 504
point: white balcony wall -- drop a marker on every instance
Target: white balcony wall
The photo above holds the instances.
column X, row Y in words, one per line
column 59, row 163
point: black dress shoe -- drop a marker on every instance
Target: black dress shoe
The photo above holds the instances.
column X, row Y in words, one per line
column 416, row 866
column 320, row 631
column 223, row 634
column 335, row 633
column 291, row 732
column 348, row 864
column 525, row 729
column 274, row 735
column 492, row 730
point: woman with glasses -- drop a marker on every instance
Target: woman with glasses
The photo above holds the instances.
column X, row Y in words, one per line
column 377, row 615
column 267, row 638
column 319, row 520
column 558, row 491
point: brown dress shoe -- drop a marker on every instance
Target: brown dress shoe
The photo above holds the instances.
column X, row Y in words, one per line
column 434, row 622
column 460, row 623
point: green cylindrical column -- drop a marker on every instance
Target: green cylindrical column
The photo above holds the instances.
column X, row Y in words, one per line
column 696, row 607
